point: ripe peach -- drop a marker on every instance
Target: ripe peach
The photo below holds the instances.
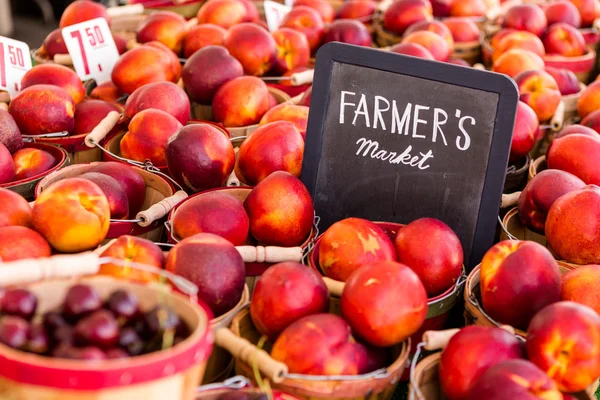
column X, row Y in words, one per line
column 351, row 243
column 563, row 341
column 307, row 21
column 200, row 157
column 81, row 11
column 280, row 210
column 463, row 30
column 252, row 46
column 348, row 31
column 501, row 34
column 577, row 154
column 214, row 212
column 148, row 134
column 207, row 70
column 541, row 192
column 106, row 91
column 515, row 61
column 305, row 100
column 323, row 7
column 133, row 249
column 121, row 43
column 471, row 352
column 214, row 265
column 565, row 79
column 468, row 8
column 172, row 63
column 15, row 209
column 285, row 293
column 10, row 135
column 587, row 10
column 582, row 285
column 515, row 301
column 165, row 96
column 525, row 132
column 7, row 166
column 41, row 109
column 412, row 49
column 436, row 44
column 277, row 146
column 241, row 101
column 403, row 13
column 507, row 40
column 31, row 162
column 55, row 44
column 72, row 214
column 132, row 182
column 574, row 129
column 357, row 9
column 514, row 379
column 293, row 50
column 57, row 75
column 167, row 27
column 592, row 121
column 201, row 36
column 142, row 65
column 539, row 90
column 320, row 344
column 19, row 242
column 433, row 26
column 573, row 226
column 116, row 196
column 526, row 17
column 589, row 101
column 226, row 13
column 384, row 302
column 565, row 40
column 89, row 113
column 297, row 115
column 563, row 11
column 431, row 249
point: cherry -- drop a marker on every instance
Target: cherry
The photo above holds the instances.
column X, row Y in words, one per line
column 63, row 335
column 99, row 329
column 161, row 319
column 124, row 305
column 14, row 331
column 37, row 339
column 19, row 302
column 116, row 353
column 131, row 341
column 81, row 300
column 74, row 353
column 53, row 320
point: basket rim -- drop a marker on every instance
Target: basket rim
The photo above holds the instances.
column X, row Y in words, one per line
column 62, row 161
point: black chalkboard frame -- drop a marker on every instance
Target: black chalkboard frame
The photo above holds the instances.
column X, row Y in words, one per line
column 431, row 70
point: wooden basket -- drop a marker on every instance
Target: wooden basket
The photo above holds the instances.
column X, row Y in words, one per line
column 157, row 189
column 217, row 393
column 570, row 102
column 516, row 175
column 26, row 187
column 39, row 56
column 469, row 51
column 537, row 166
column 327, row 389
column 582, row 66
column 126, row 26
column 204, row 113
column 384, row 38
column 187, row 9
column 169, row 374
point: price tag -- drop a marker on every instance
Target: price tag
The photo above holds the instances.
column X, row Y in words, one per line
column 274, row 13
column 15, row 61
column 92, row 49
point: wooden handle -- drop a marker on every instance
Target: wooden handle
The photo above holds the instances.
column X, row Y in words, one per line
column 270, row 254
column 60, row 266
column 123, row 11
column 479, row 66
column 250, row 354
column 509, row 200
column 302, row 78
column 63, row 59
column 102, row 129
column 335, row 288
column 3, row 106
column 191, row 23
column 559, row 117
column 180, row 83
column 437, row 340
column 4, row 97
column 296, row 99
column 160, row 209
column 508, row 329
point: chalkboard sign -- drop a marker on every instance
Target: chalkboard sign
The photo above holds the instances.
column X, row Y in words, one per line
column 397, row 138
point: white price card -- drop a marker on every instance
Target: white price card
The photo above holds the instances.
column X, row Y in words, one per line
column 274, row 13
column 15, row 61
column 92, row 49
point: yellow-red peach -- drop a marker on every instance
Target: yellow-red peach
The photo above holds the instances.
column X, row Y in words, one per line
column 165, row 96
column 565, row 79
column 106, row 91
column 15, row 209
column 281, row 210
column 592, row 121
column 81, row 11
column 226, row 13
column 214, row 265
column 441, row 8
column 403, row 13
column 562, row 11
column 323, row 7
column 172, row 62
column 464, row 30
column 526, row 17
column 137, row 250
column 432, row 26
column 201, row 36
column 7, row 166
column 277, row 146
column 468, row 8
column 130, row 180
column 72, row 214
column 565, row 40
column 293, row 50
column 437, row 45
column 348, row 31
column 19, row 242
column 515, row 301
column 577, row 154
column 307, row 21
column 574, row 129
column 517, row 40
column 10, row 135
column 57, row 75
column 588, row 10
column 515, row 61
column 167, row 27
column 582, row 285
column 114, row 192
column 285, row 293
column 200, row 157
column 121, row 43
column 41, row 109
column 241, row 101
column 357, row 9
column 55, row 44
column 525, row 132
column 384, row 302
column 30, row 162
column 350, row 243
column 148, row 134
column 563, row 341
column 252, row 46
column 297, row 115
column 412, row 49
column 539, row 91
column 589, row 101
column 89, row 113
